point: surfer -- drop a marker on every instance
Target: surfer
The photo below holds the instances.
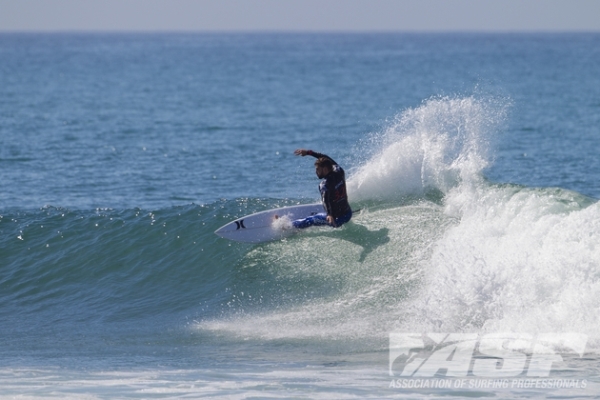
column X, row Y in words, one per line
column 333, row 193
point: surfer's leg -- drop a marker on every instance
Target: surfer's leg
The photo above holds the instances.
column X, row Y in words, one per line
column 317, row 219
column 343, row 219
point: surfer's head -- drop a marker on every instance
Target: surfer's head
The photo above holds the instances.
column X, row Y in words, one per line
column 323, row 167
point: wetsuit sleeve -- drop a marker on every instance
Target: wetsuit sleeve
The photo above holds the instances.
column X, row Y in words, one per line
column 319, row 155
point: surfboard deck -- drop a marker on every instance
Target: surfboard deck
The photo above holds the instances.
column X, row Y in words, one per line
column 268, row 225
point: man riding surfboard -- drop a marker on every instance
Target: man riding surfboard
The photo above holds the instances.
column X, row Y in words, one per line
column 333, row 193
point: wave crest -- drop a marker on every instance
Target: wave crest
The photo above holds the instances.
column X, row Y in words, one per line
column 434, row 146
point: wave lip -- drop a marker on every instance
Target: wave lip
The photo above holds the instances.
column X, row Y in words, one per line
column 431, row 147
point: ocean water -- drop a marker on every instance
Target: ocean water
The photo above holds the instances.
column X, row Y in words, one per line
column 473, row 159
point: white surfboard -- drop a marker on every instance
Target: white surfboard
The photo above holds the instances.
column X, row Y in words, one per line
column 267, row 225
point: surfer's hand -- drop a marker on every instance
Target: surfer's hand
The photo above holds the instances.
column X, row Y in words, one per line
column 301, row 152
column 331, row 221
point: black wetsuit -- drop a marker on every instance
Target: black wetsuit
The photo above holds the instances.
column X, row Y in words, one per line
column 333, row 196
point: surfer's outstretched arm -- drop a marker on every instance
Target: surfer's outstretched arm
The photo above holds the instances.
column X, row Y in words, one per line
column 303, row 152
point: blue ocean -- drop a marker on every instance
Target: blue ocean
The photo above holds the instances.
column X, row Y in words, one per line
column 471, row 162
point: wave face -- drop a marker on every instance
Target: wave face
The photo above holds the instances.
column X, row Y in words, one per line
column 436, row 247
column 109, row 265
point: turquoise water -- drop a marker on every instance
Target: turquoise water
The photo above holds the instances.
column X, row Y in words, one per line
column 473, row 159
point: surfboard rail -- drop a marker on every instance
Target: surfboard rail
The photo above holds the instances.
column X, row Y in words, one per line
column 267, row 225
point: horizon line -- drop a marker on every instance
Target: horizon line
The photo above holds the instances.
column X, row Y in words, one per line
column 301, row 31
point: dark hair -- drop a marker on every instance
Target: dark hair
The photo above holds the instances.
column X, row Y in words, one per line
column 324, row 162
